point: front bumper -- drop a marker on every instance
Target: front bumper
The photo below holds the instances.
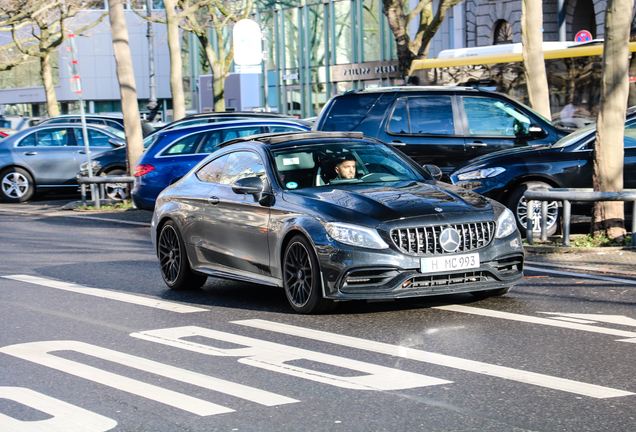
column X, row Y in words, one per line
column 362, row 274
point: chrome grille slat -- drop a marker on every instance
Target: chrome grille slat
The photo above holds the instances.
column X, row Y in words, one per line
column 423, row 240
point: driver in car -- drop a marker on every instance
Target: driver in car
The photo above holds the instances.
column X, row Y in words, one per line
column 346, row 168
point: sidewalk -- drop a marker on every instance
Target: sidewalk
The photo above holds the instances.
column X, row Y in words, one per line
column 608, row 261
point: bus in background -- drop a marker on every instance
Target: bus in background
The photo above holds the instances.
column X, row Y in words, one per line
column 573, row 71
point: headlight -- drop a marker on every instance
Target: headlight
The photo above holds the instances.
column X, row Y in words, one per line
column 84, row 165
column 480, row 173
column 355, row 235
column 506, row 224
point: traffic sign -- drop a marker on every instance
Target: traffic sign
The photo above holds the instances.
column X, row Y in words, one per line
column 583, row 36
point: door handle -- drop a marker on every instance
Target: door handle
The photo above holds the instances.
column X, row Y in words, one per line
column 478, row 144
column 30, row 153
column 213, row 200
column 82, row 152
column 397, row 143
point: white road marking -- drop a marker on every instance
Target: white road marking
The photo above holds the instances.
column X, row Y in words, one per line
column 278, row 358
column 40, row 353
column 65, row 417
column 611, row 319
column 581, row 275
column 112, row 295
column 541, row 380
column 536, row 320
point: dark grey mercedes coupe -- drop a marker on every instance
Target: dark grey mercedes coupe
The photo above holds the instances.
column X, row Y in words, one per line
column 332, row 216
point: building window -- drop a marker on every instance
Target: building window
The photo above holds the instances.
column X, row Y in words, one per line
column 503, row 33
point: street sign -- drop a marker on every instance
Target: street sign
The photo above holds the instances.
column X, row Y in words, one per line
column 583, row 36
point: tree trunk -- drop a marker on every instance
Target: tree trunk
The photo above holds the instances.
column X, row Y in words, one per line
column 127, row 87
column 533, row 61
column 49, row 88
column 218, row 86
column 174, row 46
column 608, row 217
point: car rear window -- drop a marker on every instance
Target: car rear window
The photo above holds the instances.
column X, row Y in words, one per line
column 347, row 112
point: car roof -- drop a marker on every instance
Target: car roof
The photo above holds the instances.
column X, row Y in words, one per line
column 231, row 124
column 107, row 117
column 410, row 88
column 290, row 137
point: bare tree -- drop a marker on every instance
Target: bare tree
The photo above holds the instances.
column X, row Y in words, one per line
column 399, row 20
column 127, row 86
column 533, row 60
column 43, row 32
column 608, row 217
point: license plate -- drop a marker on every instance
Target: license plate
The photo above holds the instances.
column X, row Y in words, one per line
column 449, row 263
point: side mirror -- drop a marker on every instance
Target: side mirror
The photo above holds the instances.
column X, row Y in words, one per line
column 434, row 171
column 117, row 142
column 249, row 186
column 536, row 131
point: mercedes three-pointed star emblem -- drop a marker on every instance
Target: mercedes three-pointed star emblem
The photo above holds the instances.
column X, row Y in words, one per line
column 449, row 239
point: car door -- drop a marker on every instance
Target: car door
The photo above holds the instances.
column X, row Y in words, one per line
column 493, row 125
column 426, row 129
column 237, row 226
column 51, row 155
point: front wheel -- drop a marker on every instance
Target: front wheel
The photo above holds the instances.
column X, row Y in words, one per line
column 173, row 261
column 519, row 206
column 116, row 191
column 16, row 185
column 301, row 277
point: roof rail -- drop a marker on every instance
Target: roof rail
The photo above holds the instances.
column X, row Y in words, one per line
column 282, row 137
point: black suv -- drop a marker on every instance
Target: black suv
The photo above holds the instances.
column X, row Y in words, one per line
column 444, row 126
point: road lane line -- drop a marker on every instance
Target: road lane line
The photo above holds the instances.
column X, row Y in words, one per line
column 41, row 353
column 533, row 378
column 536, row 320
column 581, row 275
column 111, row 295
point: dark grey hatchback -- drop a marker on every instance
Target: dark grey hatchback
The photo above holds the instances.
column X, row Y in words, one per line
column 332, row 216
column 445, row 126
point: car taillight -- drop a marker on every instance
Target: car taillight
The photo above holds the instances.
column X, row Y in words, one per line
column 143, row 169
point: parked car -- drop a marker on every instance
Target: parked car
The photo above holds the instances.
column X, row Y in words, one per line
column 445, row 126
column 48, row 157
column 506, row 175
column 18, row 122
column 174, row 152
column 5, row 132
column 112, row 121
column 273, row 210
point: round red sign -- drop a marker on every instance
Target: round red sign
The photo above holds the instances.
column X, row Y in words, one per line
column 583, row 36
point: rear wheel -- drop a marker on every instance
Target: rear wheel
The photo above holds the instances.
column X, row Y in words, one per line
column 301, row 277
column 116, row 191
column 173, row 261
column 519, row 206
column 16, row 185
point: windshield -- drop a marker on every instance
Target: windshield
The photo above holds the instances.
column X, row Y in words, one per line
column 326, row 165
column 118, row 133
column 575, row 136
column 535, row 113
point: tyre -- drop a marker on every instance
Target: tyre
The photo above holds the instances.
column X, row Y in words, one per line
column 491, row 293
column 301, row 278
column 519, row 206
column 116, row 191
column 173, row 260
column 16, row 185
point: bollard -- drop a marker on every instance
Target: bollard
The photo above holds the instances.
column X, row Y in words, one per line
column 544, row 220
column 567, row 210
column 529, row 227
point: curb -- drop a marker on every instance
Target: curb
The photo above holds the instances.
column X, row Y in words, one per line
column 567, row 249
column 587, row 269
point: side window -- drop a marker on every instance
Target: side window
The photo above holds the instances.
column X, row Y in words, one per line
column 211, row 142
column 399, row 122
column 284, row 129
column 52, row 137
column 27, row 141
column 114, row 124
column 187, row 145
column 211, row 173
column 95, row 138
column 630, row 135
column 241, row 165
column 240, row 132
column 493, row 117
column 431, row 115
column 347, row 112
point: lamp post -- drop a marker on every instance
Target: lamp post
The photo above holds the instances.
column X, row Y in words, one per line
column 152, row 103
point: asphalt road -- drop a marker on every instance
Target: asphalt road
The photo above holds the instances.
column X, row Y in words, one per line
column 92, row 340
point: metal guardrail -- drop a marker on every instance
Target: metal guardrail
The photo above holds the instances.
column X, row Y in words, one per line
column 101, row 181
column 567, row 196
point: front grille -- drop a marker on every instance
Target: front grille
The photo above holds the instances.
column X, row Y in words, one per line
column 425, row 240
column 450, row 279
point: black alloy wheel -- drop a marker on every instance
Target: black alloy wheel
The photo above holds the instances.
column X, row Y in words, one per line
column 301, row 276
column 173, row 261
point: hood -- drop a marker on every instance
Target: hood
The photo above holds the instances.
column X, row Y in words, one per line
column 516, row 152
column 388, row 202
